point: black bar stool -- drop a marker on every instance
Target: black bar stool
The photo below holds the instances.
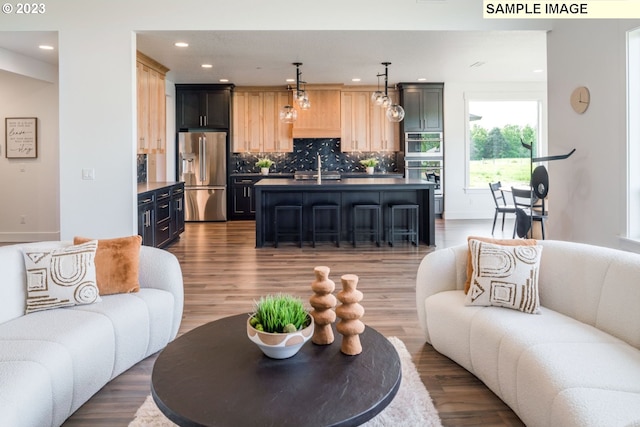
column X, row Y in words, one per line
column 295, row 209
column 411, row 220
column 374, row 223
column 331, row 231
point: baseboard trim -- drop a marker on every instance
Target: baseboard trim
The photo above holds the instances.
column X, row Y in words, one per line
column 35, row 236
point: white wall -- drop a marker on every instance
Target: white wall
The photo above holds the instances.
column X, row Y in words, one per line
column 588, row 189
column 30, row 186
column 97, row 76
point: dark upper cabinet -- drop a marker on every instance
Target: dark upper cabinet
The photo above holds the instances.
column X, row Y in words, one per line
column 203, row 106
column 423, row 105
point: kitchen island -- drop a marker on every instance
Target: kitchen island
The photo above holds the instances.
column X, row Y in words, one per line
column 345, row 193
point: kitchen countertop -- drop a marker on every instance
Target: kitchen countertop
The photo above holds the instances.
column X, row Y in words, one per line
column 144, row 187
column 344, row 183
column 342, row 174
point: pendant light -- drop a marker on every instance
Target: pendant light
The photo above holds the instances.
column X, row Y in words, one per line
column 288, row 113
column 394, row 112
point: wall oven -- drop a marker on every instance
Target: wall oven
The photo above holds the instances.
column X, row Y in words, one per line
column 429, row 169
column 422, row 144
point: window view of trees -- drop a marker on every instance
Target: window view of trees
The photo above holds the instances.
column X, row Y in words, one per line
column 495, row 151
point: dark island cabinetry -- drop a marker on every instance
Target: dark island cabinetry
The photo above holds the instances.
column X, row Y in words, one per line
column 202, row 106
column 422, row 104
column 160, row 213
column 345, row 193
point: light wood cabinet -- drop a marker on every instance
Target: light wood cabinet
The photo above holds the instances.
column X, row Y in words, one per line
column 384, row 135
column 256, row 123
column 322, row 120
column 355, row 121
column 365, row 127
column 277, row 135
column 151, row 104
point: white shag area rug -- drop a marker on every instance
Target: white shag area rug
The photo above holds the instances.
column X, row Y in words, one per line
column 411, row 407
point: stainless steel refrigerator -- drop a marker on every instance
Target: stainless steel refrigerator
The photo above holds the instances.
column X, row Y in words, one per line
column 202, row 165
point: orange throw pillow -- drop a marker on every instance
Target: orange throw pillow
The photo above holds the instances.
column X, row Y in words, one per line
column 503, row 242
column 117, row 264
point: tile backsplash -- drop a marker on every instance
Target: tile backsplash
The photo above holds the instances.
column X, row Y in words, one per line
column 142, row 168
column 305, row 157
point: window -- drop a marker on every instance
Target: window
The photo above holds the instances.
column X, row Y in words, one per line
column 633, row 136
column 496, row 130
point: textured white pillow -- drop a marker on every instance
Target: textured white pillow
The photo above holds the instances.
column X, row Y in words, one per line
column 504, row 276
column 61, row 277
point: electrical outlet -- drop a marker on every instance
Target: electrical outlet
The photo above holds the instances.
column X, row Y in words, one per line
column 23, row 219
column 89, row 174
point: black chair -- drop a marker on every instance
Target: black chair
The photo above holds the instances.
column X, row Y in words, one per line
column 280, row 230
column 411, row 219
column 528, row 209
column 373, row 213
column 501, row 204
column 333, row 231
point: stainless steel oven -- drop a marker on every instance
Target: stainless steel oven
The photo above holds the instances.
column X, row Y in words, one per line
column 429, row 169
column 423, row 144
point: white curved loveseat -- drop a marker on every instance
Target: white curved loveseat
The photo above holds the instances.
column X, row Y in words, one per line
column 575, row 364
column 53, row 361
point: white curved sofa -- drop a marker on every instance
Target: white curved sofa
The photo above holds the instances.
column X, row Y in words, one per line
column 577, row 363
column 53, row 361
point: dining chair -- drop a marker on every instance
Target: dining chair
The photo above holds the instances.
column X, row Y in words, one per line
column 501, row 204
column 528, row 208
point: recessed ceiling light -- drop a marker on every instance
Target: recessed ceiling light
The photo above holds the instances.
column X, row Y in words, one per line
column 207, row 66
column 538, row 71
column 422, row 79
column 45, row 47
column 292, row 81
column 356, row 79
column 181, row 44
column 224, row 80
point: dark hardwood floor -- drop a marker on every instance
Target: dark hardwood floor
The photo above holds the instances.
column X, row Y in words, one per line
column 224, row 273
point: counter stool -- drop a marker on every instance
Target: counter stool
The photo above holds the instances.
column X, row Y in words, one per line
column 374, row 223
column 332, row 231
column 411, row 219
column 296, row 209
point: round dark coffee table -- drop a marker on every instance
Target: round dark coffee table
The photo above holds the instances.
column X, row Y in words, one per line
column 214, row 376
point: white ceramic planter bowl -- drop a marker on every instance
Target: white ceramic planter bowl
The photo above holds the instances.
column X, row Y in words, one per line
column 279, row 346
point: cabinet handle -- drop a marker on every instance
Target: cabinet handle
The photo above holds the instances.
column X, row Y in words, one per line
column 147, row 218
column 164, row 206
column 164, row 228
column 205, row 120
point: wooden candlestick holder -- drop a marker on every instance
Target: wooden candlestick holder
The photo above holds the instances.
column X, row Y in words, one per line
column 323, row 302
column 350, row 313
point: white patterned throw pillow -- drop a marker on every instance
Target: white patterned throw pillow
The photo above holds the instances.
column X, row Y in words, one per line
column 504, row 276
column 61, row 277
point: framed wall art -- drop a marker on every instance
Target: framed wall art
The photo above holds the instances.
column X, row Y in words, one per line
column 21, row 137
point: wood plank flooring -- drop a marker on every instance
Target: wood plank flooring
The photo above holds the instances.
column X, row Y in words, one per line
column 224, row 273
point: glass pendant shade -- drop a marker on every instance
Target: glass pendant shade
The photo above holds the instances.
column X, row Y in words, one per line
column 395, row 113
column 299, row 95
column 288, row 114
column 376, row 97
column 304, row 104
column 385, row 102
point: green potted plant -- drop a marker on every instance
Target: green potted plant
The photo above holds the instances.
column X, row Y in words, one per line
column 264, row 164
column 369, row 164
column 279, row 325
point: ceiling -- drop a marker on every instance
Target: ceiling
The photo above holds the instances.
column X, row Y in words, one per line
column 265, row 57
